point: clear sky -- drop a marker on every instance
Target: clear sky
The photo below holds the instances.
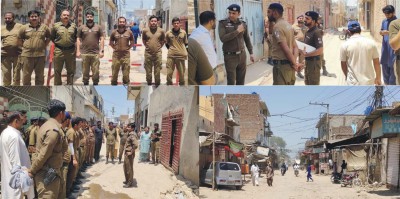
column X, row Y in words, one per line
column 115, row 96
column 301, row 118
column 134, row 4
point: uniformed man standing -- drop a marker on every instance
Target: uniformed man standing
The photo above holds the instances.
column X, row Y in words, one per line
column 313, row 38
column 299, row 32
column 46, row 165
column 111, row 137
column 284, row 48
column 130, row 147
column 121, row 40
column 63, row 35
column 153, row 39
column 32, row 130
column 394, row 37
column 176, row 42
column 98, row 133
column 89, row 35
column 234, row 35
column 73, row 143
column 66, row 157
column 123, row 135
column 91, row 143
column 10, row 51
column 33, row 38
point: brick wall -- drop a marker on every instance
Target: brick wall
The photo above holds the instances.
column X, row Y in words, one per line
column 251, row 121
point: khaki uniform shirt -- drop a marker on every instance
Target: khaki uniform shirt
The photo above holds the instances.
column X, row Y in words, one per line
column 199, row 68
column 232, row 40
column 73, row 137
column 313, row 38
column 122, row 42
column 33, row 129
column 49, row 148
column 153, row 40
column 177, row 44
column 282, row 32
column 123, row 136
column 67, row 152
column 131, row 144
column 9, row 40
column 64, row 35
column 394, row 28
column 34, row 40
column 90, row 38
column 299, row 32
column 111, row 136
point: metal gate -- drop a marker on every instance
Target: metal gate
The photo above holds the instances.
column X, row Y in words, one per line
column 18, row 103
column 250, row 12
column 171, row 139
column 393, row 161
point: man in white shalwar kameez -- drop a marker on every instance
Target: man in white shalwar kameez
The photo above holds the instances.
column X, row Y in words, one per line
column 254, row 174
column 13, row 152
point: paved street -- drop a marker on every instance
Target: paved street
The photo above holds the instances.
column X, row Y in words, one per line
column 292, row 187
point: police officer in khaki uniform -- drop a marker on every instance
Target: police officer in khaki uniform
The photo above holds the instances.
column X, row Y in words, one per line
column 313, row 38
column 73, row 142
column 121, row 40
column 123, row 135
column 129, row 148
column 176, row 41
column 111, row 137
column 234, row 35
column 153, row 39
column 89, row 35
column 299, row 32
column 90, row 145
column 63, row 35
column 47, row 163
column 32, row 129
column 33, row 37
column 10, row 51
column 284, row 48
column 394, row 41
column 66, row 157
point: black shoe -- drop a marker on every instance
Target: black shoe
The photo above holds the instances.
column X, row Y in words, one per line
column 125, row 182
column 325, row 73
column 128, row 185
column 78, row 182
column 75, row 188
column 301, row 76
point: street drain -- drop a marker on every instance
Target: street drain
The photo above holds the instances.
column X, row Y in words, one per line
column 95, row 191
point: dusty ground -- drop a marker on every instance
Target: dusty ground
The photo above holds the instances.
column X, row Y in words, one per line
column 292, row 187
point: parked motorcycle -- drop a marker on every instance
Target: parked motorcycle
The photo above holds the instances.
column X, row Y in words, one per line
column 336, row 177
column 351, row 180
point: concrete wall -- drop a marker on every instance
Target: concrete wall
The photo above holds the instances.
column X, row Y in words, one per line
column 167, row 98
column 338, row 121
column 21, row 13
column 75, row 104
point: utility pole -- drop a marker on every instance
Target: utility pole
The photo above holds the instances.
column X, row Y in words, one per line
column 378, row 97
column 112, row 113
column 327, row 117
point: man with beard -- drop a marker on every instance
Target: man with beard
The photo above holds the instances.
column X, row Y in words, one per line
column 63, row 35
column 46, row 166
column 33, row 38
column 234, row 36
column 10, row 51
column 388, row 56
column 313, row 37
column 121, row 40
column 176, row 42
column 284, row 48
column 88, row 48
column 201, row 52
column 111, row 137
column 299, row 31
column 153, row 39
column 98, row 133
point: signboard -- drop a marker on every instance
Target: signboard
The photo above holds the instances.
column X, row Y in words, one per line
column 263, row 151
column 318, row 150
column 390, row 124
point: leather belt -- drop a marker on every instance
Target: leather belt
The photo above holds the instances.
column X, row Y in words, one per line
column 233, row 53
column 317, row 58
column 281, row 62
column 65, row 48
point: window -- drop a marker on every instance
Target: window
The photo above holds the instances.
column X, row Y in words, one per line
column 228, row 166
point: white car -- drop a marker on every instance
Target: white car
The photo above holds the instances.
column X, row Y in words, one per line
column 226, row 174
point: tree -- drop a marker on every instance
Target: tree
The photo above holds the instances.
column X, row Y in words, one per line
column 280, row 146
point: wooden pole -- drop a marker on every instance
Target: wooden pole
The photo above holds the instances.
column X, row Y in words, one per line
column 213, row 182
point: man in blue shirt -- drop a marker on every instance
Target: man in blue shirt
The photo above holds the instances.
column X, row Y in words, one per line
column 388, row 55
column 136, row 33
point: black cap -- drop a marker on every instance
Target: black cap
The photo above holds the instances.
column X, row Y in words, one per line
column 55, row 106
column 33, row 119
column 276, row 6
column 234, row 7
column 314, row 15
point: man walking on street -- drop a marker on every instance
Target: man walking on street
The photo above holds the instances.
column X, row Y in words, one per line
column 360, row 58
column 136, row 33
column 129, row 149
column 309, row 176
column 121, row 40
column 89, row 35
column 270, row 175
column 176, row 42
column 388, row 56
column 313, row 37
column 234, row 35
column 33, row 38
column 153, row 39
column 299, row 33
column 50, row 149
column 10, row 51
column 284, row 48
column 63, row 35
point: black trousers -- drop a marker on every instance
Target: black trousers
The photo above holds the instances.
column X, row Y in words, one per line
column 97, row 148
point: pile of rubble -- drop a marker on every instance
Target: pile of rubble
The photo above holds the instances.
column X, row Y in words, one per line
column 183, row 189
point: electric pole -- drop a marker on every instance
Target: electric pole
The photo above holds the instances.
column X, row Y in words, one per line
column 327, row 117
column 378, row 97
